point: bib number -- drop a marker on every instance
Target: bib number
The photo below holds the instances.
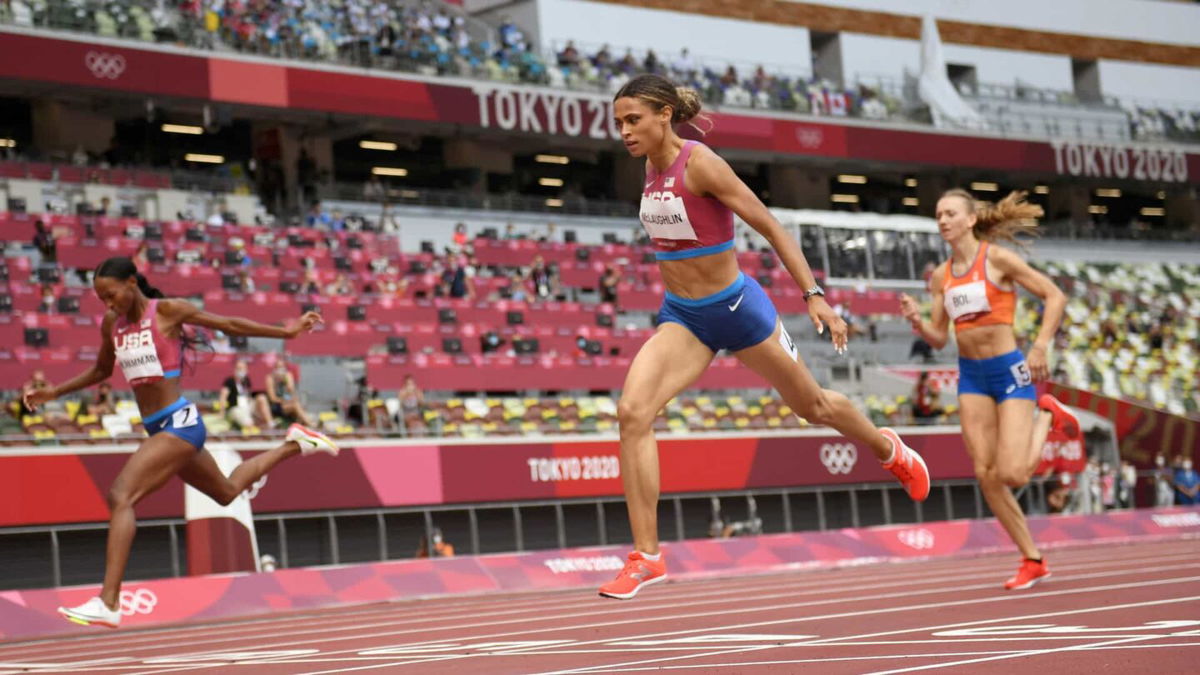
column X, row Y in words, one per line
column 1020, row 373
column 187, row 416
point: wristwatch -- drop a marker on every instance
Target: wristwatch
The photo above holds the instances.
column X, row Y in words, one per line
column 815, row 290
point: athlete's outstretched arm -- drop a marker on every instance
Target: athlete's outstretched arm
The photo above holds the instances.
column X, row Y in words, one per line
column 100, row 371
column 1054, row 300
column 936, row 331
column 708, row 174
column 180, row 312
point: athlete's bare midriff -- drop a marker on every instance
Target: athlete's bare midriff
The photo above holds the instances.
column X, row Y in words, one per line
column 699, row 277
column 984, row 342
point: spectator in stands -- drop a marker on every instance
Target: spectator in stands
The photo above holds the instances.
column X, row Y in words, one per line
column 510, row 232
column 461, row 238
column 541, row 280
column 608, row 285
column 569, row 56
column 457, row 278
column 373, row 189
column 221, row 344
column 441, row 548
column 103, row 402
column 43, row 241
column 1186, row 481
column 240, row 402
column 651, row 64
column 281, row 392
column 388, row 224
column 366, row 409
column 1059, row 496
column 317, row 217
column 412, row 405
column 339, row 286
column 925, row 400
column 1126, row 485
column 685, row 65
column 311, row 285
column 1164, row 485
column 48, row 300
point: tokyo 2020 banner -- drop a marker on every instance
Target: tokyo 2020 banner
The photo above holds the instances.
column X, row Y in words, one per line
column 189, row 74
column 40, row 486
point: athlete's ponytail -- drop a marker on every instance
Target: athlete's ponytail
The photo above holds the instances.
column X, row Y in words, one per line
column 1007, row 220
column 658, row 92
column 121, row 269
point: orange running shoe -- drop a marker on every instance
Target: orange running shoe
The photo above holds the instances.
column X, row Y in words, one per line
column 1062, row 418
column 1029, row 573
column 908, row 467
column 637, row 573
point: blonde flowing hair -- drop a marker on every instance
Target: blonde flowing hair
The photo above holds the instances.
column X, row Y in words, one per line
column 1009, row 219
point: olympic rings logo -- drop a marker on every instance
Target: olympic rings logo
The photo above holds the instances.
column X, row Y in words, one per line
column 920, row 539
column 141, row 601
column 839, row 457
column 103, row 65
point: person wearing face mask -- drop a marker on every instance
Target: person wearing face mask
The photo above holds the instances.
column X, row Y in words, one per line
column 1164, row 486
column 1187, row 482
column 976, row 291
column 281, row 392
column 241, row 403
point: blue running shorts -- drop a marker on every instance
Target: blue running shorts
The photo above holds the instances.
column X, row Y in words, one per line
column 738, row 317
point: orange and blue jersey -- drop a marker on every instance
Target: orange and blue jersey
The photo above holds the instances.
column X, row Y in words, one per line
column 972, row 300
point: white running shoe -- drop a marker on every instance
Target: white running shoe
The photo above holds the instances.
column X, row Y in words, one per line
column 92, row 613
column 311, row 441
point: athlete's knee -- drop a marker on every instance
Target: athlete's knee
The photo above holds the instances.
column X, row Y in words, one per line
column 1011, row 476
column 634, row 417
column 120, row 496
column 822, row 409
column 986, row 473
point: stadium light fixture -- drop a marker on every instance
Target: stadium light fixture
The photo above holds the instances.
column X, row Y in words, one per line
column 550, row 182
column 377, row 145
column 843, row 199
column 1156, row 211
column 1097, row 208
column 389, row 171
column 204, row 159
column 912, row 201
column 910, row 182
column 1108, row 192
column 1041, row 189
column 554, row 202
column 8, row 142
column 852, row 179
column 188, row 129
column 983, row 186
column 552, row 159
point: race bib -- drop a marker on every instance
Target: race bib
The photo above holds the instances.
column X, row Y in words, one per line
column 664, row 217
column 137, row 355
column 187, row 416
column 967, row 300
column 1021, row 374
column 789, row 345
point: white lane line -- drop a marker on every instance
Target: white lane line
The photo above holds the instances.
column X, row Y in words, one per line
column 154, row 635
column 1024, row 654
column 567, row 598
column 791, row 605
column 827, row 642
column 355, row 623
column 865, row 612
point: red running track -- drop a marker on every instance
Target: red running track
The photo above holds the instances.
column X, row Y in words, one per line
column 1126, row 608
